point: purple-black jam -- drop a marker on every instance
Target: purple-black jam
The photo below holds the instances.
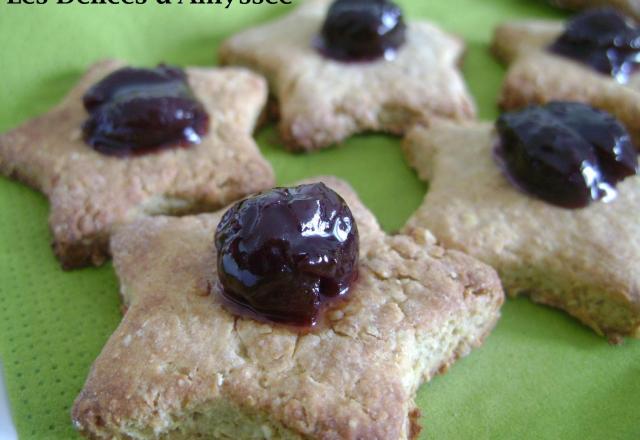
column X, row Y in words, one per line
column 286, row 252
column 603, row 39
column 362, row 30
column 135, row 111
column 566, row 153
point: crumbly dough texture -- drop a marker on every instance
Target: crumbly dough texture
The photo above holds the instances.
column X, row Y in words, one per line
column 629, row 7
column 322, row 102
column 537, row 76
column 180, row 366
column 583, row 261
column 90, row 192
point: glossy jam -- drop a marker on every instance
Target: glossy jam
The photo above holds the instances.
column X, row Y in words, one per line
column 134, row 111
column 284, row 253
column 362, row 30
column 566, row 153
column 603, row 39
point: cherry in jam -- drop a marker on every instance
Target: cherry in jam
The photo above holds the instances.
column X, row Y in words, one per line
column 140, row 110
column 362, row 30
column 603, row 39
column 566, row 153
column 282, row 254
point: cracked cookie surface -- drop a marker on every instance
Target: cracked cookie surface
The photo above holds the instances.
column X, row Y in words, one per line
column 187, row 367
column 582, row 261
column 322, row 101
column 90, row 193
column 537, row 76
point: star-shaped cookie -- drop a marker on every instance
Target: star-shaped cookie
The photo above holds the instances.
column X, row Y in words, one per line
column 537, row 76
column 629, row 7
column 90, row 192
column 322, row 102
column 583, row 260
column 181, row 366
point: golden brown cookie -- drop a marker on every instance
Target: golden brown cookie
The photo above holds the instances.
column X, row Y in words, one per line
column 629, row 7
column 579, row 260
column 537, row 76
column 322, row 102
column 180, row 366
column 91, row 192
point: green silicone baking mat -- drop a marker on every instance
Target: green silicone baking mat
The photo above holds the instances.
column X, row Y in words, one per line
column 540, row 375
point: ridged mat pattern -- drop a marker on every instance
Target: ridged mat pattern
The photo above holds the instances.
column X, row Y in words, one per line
column 540, row 374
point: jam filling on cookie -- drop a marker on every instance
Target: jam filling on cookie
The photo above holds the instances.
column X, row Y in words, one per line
column 566, row 153
column 362, row 30
column 134, row 111
column 603, row 39
column 285, row 253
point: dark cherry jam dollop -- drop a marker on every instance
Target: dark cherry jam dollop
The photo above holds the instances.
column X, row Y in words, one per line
column 140, row 110
column 285, row 252
column 362, row 30
column 566, row 153
column 603, row 39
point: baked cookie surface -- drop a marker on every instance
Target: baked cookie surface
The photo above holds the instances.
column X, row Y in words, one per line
column 90, row 192
column 188, row 368
column 322, row 101
column 580, row 260
column 537, row 76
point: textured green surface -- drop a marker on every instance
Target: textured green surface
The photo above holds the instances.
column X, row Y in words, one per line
column 540, row 375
